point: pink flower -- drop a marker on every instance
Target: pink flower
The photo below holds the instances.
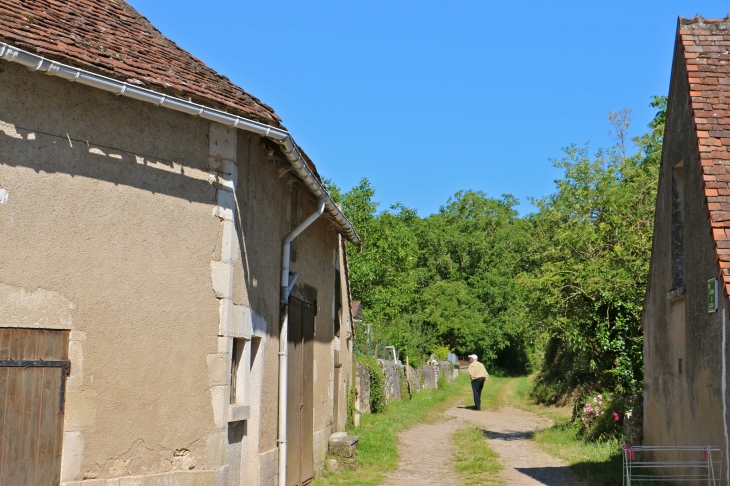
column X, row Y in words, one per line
column 600, row 397
column 616, row 417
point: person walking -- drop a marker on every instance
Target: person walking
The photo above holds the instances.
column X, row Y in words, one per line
column 478, row 375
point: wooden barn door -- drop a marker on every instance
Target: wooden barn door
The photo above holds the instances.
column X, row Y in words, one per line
column 300, row 409
column 33, row 367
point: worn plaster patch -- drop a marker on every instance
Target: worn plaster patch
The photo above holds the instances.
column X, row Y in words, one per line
column 34, row 309
column 9, row 130
column 4, row 195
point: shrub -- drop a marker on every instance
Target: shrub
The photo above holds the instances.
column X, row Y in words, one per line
column 350, row 406
column 377, row 383
column 405, row 391
column 601, row 415
column 441, row 353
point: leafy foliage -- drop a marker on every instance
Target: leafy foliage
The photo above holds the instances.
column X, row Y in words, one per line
column 589, row 259
column 565, row 283
column 377, row 383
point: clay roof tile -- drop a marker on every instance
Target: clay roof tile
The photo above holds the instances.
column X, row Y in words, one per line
column 111, row 38
column 705, row 45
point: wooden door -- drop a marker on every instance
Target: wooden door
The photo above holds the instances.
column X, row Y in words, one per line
column 294, row 401
column 307, row 464
column 338, row 368
column 33, row 367
column 300, row 410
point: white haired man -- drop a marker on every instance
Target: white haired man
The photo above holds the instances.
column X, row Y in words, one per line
column 478, row 375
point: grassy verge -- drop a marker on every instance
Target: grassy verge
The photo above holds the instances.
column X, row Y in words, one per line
column 474, row 460
column 378, row 448
column 516, row 394
column 596, row 463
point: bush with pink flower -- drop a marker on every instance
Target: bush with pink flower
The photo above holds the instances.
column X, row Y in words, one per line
column 601, row 415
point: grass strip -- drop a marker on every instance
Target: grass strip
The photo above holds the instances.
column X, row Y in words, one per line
column 378, row 447
column 474, row 460
column 596, row 463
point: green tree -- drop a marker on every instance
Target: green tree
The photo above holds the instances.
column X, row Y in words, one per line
column 590, row 244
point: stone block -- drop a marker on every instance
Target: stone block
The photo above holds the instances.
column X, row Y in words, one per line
column 269, row 465
column 220, row 396
column 226, row 204
column 344, row 446
column 77, row 336
column 236, row 413
column 229, row 243
column 362, row 389
column 215, row 445
column 243, row 323
column 227, row 311
column 219, row 368
column 446, row 369
column 76, row 356
column 392, row 372
column 223, row 140
column 225, row 344
column 229, row 175
column 72, row 455
column 80, row 410
column 221, row 274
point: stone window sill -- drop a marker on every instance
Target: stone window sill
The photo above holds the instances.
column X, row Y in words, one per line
column 676, row 294
column 236, row 413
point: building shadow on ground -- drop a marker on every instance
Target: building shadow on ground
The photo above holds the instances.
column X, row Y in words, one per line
column 550, row 476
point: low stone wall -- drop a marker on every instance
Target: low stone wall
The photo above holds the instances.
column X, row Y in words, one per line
column 393, row 372
column 416, row 381
column 414, row 378
column 362, row 390
column 446, row 369
column 430, row 379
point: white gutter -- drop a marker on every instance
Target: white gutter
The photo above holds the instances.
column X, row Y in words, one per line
column 285, row 141
column 287, row 284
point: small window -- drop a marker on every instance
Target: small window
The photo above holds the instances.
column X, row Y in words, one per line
column 236, row 358
column 338, row 303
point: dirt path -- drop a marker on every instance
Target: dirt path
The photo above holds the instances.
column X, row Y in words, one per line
column 508, row 433
column 425, row 455
column 425, row 450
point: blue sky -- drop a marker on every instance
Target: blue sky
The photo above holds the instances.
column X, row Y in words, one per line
column 427, row 98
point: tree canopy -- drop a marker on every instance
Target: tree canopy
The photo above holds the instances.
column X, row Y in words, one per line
column 560, row 289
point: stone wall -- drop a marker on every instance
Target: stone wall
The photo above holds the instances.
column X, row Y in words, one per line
column 362, row 390
column 446, row 369
column 415, row 380
column 392, row 371
column 429, row 377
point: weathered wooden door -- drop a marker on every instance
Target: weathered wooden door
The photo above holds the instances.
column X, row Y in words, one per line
column 338, row 368
column 33, row 367
column 300, row 409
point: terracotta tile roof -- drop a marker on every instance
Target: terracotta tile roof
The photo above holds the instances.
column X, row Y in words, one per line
column 357, row 310
column 109, row 37
column 706, row 48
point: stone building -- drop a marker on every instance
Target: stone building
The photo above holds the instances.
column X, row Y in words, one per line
column 145, row 201
column 685, row 316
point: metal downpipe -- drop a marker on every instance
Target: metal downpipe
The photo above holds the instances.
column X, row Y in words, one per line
column 287, row 284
